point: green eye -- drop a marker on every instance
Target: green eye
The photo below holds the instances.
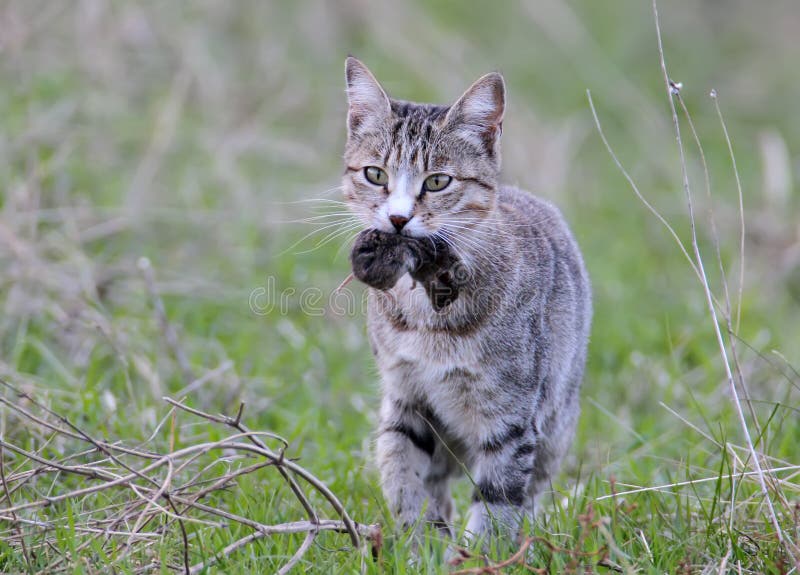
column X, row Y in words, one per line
column 376, row 176
column 436, row 182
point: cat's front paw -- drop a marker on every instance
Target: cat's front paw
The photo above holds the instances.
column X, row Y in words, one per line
column 379, row 258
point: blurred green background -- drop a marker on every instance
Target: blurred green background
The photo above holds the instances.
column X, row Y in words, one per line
column 197, row 134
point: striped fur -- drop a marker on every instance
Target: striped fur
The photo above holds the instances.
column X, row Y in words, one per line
column 490, row 382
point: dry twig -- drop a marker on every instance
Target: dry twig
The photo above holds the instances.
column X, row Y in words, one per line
column 131, row 498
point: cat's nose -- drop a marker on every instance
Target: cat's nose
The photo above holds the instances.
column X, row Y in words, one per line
column 398, row 222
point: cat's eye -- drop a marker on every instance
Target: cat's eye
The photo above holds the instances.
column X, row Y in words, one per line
column 436, row 182
column 376, row 176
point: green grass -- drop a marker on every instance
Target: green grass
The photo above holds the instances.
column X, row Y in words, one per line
column 192, row 135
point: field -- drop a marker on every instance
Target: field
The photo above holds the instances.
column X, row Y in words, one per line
column 165, row 171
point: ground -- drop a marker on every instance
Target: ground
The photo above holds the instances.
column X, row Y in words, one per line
column 201, row 136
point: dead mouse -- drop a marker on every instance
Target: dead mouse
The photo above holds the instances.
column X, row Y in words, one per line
column 380, row 259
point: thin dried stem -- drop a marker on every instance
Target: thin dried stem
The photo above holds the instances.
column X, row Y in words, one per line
column 168, row 330
column 715, row 98
column 284, row 463
column 672, row 88
column 635, row 187
column 15, row 521
column 163, row 489
column 727, row 310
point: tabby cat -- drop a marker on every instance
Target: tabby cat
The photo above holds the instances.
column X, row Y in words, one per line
column 487, row 378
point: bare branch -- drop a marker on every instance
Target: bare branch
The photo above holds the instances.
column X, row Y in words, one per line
column 163, row 489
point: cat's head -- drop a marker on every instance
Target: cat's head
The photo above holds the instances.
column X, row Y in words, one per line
column 422, row 169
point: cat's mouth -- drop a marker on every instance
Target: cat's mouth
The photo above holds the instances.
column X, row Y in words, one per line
column 407, row 231
column 419, row 235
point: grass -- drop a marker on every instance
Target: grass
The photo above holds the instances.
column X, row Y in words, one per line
column 192, row 135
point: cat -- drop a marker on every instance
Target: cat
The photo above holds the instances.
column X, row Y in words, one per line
column 486, row 380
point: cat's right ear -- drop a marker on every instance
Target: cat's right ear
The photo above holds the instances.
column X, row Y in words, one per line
column 368, row 103
column 478, row 113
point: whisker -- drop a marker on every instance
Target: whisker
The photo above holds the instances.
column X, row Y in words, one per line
column 313, row 201
column 493, row 224
column 444, row 236
column 465, row 255
column 346, row 242
column 493, row 221
column 483, row 233
column 332, row 190
column 331, row 236
column 474, row 246
column 324, row 218
column 310, row 234
column 479, row 248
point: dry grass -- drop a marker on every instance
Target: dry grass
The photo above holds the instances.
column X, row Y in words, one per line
column 132, row 498
column 140, row 138
column 126, row 501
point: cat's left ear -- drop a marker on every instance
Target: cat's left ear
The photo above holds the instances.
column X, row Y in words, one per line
column 478, row 113
column 368, row 103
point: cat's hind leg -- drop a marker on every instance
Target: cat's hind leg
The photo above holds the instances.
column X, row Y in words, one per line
column 502, row 474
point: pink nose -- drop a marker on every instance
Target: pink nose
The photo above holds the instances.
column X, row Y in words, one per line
column 398, row 222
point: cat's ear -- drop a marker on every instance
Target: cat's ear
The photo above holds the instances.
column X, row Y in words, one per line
column 479, row 111
column 368, row 103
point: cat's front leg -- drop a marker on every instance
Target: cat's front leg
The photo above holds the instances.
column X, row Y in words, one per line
column 502, row 474
column 405, row 446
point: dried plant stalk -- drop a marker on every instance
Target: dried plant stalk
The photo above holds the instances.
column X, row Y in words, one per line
column 129, row 499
